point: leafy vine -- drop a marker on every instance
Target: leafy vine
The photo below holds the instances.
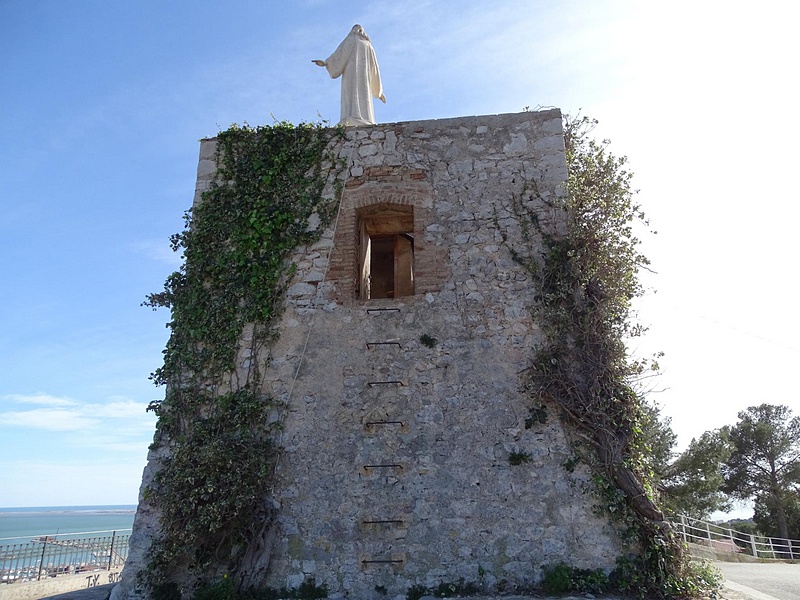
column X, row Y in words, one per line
column 587, row 275
column 214, row 428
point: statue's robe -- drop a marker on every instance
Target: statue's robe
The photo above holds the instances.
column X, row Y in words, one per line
column 354, row 60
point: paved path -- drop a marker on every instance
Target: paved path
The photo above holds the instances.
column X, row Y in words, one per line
column 761, row 581
column 99, row 592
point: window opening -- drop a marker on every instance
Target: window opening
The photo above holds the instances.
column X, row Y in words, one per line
column 387, row 254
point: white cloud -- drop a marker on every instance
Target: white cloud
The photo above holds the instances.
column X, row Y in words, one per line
column 51, row 419
column 40, row 398
column 126, row 417
column 159, row 251
column 118, row 409
column 71, row 482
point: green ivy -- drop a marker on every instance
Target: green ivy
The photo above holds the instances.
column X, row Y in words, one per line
column 561, row 578
column 267, row 199
column 225, row 590
column 458, row 589
column 428, row 341
column 517, row 458
column 586, row 277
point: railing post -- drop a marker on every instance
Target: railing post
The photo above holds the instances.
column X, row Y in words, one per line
column 708, row 532
column 41, row 559
column 753, row 543
column 111, row 551
column 787, row 544
column 683, row 529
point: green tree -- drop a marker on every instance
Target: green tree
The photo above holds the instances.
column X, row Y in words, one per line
column 659, row 439
column 765, row 461
column 765, row 518
column 692, row 484
column 689, row 483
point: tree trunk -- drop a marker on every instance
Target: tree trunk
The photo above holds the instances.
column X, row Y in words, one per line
column 626, row 480
column 780, row 514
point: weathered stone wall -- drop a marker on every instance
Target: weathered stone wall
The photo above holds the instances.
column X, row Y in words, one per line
column 395, row 470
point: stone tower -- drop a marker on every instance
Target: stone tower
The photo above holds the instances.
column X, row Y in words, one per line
column 404, row 344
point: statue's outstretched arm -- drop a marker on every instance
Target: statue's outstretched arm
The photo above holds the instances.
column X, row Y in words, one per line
column 319, row 63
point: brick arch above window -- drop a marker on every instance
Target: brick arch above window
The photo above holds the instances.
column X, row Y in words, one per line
column 385, row 208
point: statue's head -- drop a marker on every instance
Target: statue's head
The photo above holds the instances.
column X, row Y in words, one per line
column 359, row 31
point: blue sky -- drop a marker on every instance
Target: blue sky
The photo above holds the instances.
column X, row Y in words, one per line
column 103, row 104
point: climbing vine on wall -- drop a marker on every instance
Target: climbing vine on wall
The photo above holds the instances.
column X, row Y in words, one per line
column 213, row 432
column 587, row 277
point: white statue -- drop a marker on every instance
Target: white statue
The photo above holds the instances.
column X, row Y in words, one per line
column 355, row 61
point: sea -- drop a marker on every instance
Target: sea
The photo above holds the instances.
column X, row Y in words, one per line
column 39, row 521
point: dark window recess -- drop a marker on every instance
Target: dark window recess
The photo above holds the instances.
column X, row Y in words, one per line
column 386, row 248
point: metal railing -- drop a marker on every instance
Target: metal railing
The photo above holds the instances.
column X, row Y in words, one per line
column 730, row 540
column 64, row 554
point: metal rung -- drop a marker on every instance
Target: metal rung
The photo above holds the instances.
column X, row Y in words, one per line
column 373, row 383
column 368, row 423
column 391, row 466
column 383, row 562
column 371, row 345
column 384, row 521
column 378, row 311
